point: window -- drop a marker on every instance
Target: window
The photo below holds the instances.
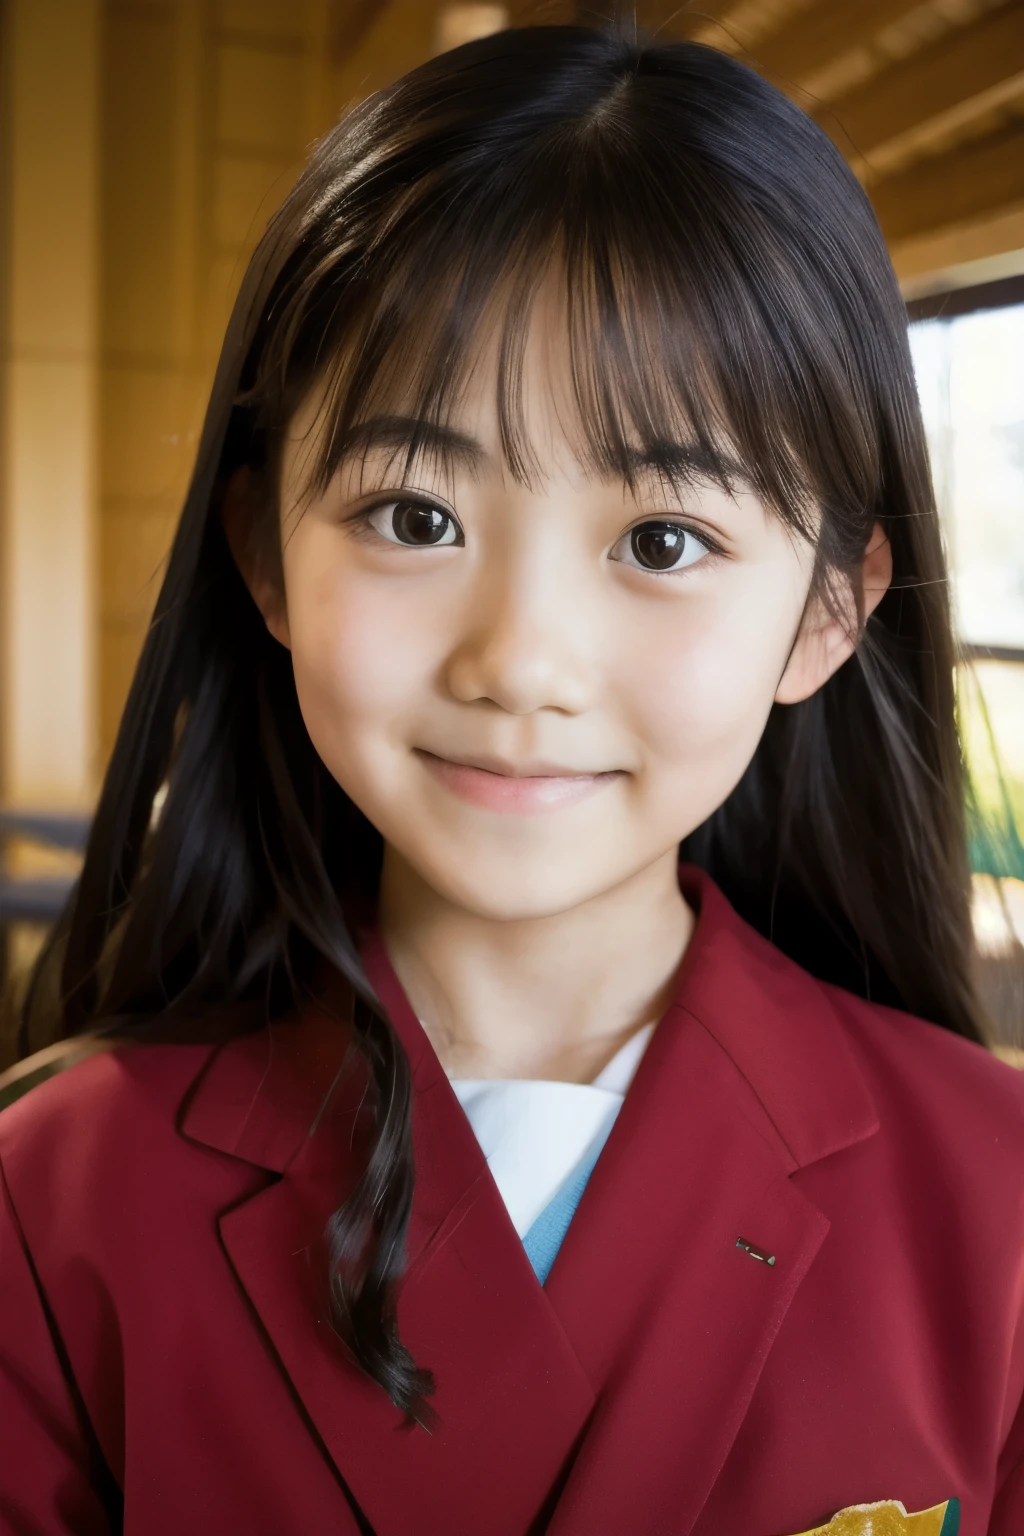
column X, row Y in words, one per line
column 968, row 350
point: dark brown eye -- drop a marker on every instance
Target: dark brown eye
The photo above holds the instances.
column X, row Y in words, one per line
column 416, row 524
column 660, row 547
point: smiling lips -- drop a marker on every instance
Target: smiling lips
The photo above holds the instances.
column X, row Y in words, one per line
column 541, row 788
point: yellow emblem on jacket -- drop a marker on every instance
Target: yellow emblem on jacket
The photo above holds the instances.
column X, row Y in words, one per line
column 890, row 1518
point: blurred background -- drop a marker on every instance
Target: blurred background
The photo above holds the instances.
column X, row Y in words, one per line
column 143, row 145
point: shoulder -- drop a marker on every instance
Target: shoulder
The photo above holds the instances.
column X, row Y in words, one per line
column 180, row 1126
column 104, row 1184
column 111, row 1107
column 943, row 1095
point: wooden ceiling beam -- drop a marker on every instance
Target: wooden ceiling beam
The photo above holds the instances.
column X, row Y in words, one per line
column 974, row 180
column 829, row 29
column 970, row 64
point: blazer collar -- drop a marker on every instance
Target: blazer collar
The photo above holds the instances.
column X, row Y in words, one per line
column 777, row 1024
column 260, row 1093
column 546, row 1393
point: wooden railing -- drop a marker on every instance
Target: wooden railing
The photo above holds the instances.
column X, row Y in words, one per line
column 38, row 898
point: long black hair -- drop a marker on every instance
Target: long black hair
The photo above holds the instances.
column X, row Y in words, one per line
column 720, row 266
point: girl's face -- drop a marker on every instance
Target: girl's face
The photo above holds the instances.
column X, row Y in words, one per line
column 535, row 694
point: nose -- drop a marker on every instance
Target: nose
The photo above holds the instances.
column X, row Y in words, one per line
column 527, row 644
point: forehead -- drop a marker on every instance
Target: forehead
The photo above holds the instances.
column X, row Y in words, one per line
column 532, row 420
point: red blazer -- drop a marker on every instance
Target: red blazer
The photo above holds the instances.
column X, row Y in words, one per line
column 162, row 1319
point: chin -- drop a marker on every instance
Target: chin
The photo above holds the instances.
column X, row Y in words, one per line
column 520, row 888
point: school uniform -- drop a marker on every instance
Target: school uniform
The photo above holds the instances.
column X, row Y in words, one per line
column 793, row 1284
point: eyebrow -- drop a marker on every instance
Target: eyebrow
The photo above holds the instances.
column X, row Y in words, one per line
column 414, row 434
column 690, row 461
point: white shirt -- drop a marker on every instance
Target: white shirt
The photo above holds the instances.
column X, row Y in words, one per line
column 535, row 1133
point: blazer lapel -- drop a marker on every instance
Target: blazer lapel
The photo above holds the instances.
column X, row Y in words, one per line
column 511, row 1395
column 747, row 1079
column 671, row 1319
column 609, row 1400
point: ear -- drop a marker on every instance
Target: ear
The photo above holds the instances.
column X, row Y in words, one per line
column 240, row 515
column 825, row 642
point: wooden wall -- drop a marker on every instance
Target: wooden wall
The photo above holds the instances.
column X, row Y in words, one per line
column 49, row 264
column 208, row 107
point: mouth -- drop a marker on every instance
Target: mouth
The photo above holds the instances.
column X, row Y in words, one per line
column 523, row 788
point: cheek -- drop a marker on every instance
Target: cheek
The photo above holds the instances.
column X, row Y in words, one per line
column 358, row 653
column 701, row 694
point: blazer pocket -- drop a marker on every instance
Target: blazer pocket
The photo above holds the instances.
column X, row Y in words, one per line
column 890, row 1518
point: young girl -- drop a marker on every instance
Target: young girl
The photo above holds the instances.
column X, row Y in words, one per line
column 464, row 1162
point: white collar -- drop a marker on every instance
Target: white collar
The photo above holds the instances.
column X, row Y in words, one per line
column 535, row 1133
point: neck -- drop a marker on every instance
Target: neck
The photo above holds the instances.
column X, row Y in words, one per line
column 540, row 997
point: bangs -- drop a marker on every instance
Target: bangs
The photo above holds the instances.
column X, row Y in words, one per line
column 691, row 341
